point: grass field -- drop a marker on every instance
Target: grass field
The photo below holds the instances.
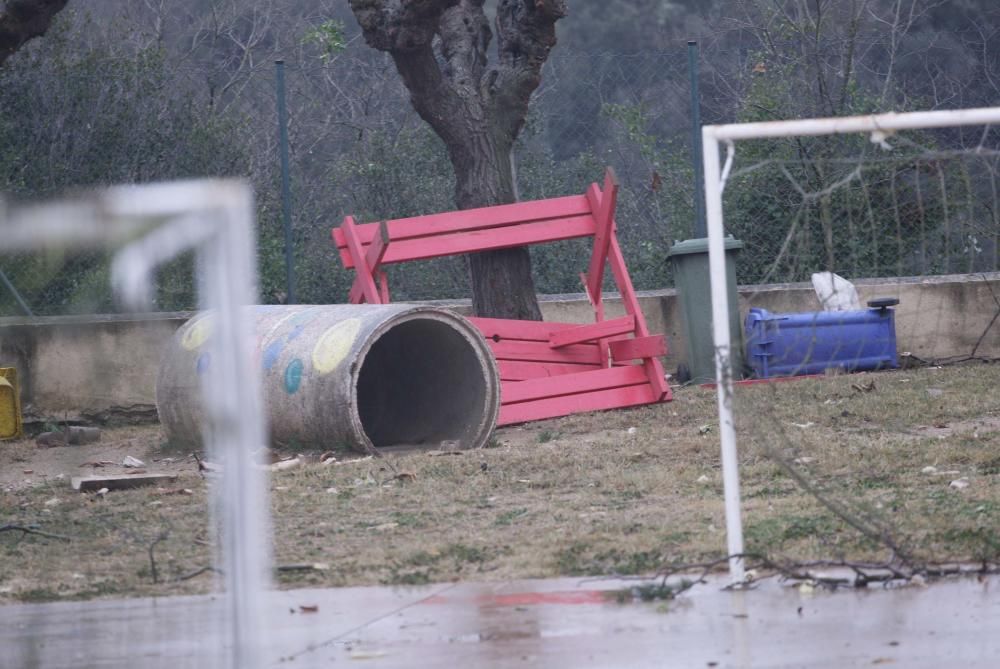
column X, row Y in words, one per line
column 623, row 492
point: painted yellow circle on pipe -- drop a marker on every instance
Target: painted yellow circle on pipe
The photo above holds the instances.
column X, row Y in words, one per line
column 197, row 333
column 334, row 345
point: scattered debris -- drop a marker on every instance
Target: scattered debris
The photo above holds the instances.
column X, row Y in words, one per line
column 132, row 463
column 385, row 527
column 929, row 469
column 99, row 463
column 935, row 392
column 367, row 654
column 33, row 529
column 632, row 430
column 804, row 460
column 864, row 387
column 73, row 436
column 405, row 476
column 97, row 483
column 102, row 492
column 52, row 502
column 332, row 491
column 328, row 458
column 704, row 429
column 959, row 484
column 290, row 463
column 305, row 566
column 803, row 426
column 206, row 467
column 49, row 439
column 350, row 462
column 174, row 491
column 308, row 608
column 438, row 453
column 704, row 478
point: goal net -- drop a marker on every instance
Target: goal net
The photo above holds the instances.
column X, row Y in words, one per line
column 869, row 244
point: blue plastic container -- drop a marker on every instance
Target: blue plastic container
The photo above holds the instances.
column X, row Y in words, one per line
column 810, row 343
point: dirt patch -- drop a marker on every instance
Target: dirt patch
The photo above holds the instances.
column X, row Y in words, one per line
column 23, row 464
column 615, row 492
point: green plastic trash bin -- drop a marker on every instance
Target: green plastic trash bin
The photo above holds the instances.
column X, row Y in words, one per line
column 691, row 278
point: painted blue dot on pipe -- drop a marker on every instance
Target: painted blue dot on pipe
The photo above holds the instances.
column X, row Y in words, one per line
column 272, row 352
column 201, row 365
column 293, row 376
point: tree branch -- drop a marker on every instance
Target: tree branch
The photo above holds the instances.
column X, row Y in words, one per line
column 526, row 32
column 22, row 20
column 30, row 530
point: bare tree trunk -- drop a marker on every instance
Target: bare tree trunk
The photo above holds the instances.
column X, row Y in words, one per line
column 440, row 50
column 21, row 20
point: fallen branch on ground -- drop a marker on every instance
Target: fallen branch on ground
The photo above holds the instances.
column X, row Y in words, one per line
column 31, row 530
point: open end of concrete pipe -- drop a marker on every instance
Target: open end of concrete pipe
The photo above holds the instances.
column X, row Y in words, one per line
column 357, row 376
column 425, row 378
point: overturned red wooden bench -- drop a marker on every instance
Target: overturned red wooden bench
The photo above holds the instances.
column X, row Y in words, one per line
column 546, row 369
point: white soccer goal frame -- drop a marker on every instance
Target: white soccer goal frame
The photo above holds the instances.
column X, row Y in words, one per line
column 879, row 126
column 150, row 225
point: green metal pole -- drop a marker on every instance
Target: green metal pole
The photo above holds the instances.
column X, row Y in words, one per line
column 286, row 189
column 17, row 296
column 700, row 229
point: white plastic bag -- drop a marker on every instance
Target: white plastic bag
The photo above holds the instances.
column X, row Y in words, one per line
column 835, row 293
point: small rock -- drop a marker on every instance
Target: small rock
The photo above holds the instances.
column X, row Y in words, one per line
column 935, row 392
column 804, row 460
column 102, row 492
column 50, row 439
column 132, row 463
column 77, row 435
column 632, row 430
column 286, row 464
column 52, row 502
column 959, row 484
column 704, row 429
column 704, row 479
column 332, row 491
column 929, row 469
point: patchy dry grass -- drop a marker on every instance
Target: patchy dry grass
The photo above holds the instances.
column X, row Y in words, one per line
column 580, row 495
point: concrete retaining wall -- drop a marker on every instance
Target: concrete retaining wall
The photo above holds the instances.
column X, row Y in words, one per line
column 91, row 368
column 104, row 367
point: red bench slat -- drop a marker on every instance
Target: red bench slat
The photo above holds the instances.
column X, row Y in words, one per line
column 520, row 370
column 615, row 398
column 572, row 384
column 586, row 354
column 506, row 328
column 469, row 220
column 457, row 243
column 641, row 347
column 593, row 332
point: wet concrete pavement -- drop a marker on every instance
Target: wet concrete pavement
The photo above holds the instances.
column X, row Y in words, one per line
column 552, row 623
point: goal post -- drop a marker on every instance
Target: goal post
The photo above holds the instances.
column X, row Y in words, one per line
column 714, row 137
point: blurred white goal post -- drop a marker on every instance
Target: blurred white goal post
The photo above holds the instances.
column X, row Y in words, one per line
column 148, row 225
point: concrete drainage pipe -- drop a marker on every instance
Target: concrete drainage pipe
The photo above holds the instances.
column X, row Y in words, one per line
column 349, row 375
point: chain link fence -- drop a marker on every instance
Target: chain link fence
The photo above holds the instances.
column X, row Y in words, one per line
column 357, row 148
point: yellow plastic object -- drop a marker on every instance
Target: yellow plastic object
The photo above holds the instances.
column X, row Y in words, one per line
column 10, row 404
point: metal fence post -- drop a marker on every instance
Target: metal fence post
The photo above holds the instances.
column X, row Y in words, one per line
column 700, row 230
column 17, row 296
column 286, row 189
